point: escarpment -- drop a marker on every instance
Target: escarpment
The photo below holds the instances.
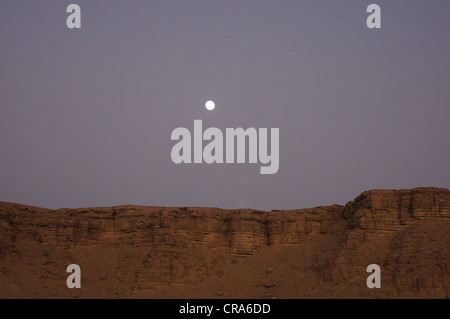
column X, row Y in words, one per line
column 192, row 252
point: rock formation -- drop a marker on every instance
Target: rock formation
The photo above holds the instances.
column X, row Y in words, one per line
column 190, row 252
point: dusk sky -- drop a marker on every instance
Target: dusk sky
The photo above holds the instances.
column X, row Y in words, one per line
column 86, row 115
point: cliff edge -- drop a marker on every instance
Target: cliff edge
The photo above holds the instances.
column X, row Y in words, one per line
column 193, row 252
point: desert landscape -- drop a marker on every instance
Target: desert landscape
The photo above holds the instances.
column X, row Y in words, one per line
column 194, row 252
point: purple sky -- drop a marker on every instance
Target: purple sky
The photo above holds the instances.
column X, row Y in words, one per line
column 86, row 115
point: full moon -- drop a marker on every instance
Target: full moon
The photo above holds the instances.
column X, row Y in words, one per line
column 210, row 105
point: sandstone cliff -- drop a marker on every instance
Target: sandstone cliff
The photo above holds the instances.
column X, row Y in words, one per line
column 190, row 252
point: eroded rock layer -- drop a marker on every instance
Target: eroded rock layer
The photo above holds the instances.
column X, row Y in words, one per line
column 190, row 252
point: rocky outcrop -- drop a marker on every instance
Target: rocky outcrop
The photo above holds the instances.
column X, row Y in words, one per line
column 382, row 211
column 162, row 252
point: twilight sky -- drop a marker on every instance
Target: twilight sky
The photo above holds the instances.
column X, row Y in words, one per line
column 86, row 115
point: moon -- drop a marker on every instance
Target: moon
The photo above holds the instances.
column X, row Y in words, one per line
column 210, row 105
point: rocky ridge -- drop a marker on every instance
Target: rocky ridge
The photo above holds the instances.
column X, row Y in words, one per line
column 192, row 252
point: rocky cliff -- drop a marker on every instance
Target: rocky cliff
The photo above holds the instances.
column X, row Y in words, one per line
column 190, row 252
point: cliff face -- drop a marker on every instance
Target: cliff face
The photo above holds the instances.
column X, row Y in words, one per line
column 133, row 251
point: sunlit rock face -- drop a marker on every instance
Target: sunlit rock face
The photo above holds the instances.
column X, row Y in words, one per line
column 190, row 252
